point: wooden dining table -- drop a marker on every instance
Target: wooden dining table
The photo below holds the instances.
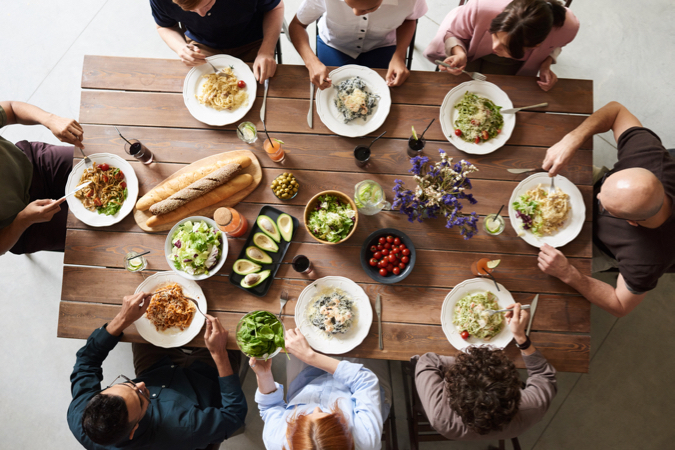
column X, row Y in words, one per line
column 143, row 98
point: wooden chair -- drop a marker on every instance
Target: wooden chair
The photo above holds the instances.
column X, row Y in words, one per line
column 419, row 428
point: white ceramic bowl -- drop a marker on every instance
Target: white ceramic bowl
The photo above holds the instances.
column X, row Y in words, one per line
column 168, row 244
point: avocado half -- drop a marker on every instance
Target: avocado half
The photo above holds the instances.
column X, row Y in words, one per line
column 285, row 225
column 268, row 226
column 254, row 279
column 257, row 255
column 244, row 267
column 265, row 242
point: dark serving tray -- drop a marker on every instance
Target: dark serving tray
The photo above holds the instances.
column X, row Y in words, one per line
column 261, row 289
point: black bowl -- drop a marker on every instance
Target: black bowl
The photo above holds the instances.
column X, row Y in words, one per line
column 372, row 271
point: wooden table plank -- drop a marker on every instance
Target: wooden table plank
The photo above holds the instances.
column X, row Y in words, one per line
column 317, row 152
column 288, row 115
column 290, row 81
column 432, row 268
column 566, row 313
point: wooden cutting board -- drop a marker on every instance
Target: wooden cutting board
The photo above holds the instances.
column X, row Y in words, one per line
column 254, row 169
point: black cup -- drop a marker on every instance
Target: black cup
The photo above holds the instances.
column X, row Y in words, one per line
column 415, row 146
column 362, row 155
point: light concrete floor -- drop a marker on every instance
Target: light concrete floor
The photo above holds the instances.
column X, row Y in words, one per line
column 626, row 400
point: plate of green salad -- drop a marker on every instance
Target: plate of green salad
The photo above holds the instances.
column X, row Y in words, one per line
column 331, row 217
column 463, row 316
column 471, row 119
column 260, row 335
column 195, row 248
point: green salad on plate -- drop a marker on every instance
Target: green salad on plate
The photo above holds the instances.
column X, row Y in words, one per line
column 332, row 220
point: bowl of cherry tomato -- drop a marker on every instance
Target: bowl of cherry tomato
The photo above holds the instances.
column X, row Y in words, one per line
column 388, row 256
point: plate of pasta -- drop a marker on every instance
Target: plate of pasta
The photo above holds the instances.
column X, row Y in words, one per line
column 356, row 104
column 464, row 310
column 171, row 320
column 471, row 120
column 111, row 195
column 540, row 218
column 221, row 98
column 334, row 314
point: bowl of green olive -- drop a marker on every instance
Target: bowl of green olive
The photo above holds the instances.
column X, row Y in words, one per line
column 285, row 186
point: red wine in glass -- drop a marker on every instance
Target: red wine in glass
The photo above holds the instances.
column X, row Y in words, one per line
column 302, row 264
column 135, row 148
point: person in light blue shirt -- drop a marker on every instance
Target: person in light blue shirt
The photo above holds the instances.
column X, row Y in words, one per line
column 332, row 403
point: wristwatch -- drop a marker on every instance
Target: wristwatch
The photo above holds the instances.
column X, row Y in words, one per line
column 525, row 345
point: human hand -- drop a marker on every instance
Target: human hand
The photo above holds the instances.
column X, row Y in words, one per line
column 260, row 366
column 517, row 320
column 264, row 67
column 397, row 72
column 133, row 307
column 191, row 55
column 297, row 345
column 547, row 79
column 40, row 211
column 457, row 61
column 215, row 336
column 318, row 75
column 552, row 262
column 558, row 156
column 66, row 130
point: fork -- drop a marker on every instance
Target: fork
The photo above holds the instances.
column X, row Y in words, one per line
column 87, row 162
column 551, row 188
column 492, row 312
column 474, row 75
column 283, row 299
column 185, row 297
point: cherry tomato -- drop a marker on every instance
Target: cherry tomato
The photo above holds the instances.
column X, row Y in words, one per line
column 390, row 239
column 401, row 266
column 104, row 167
column 397, row 241
column 241, row 84
column 477, row 141
column 383, row 272
column 373, row 248
column 97, row 202
column 393, row 258
column 390, row 267
column 405, row 259
column 396, row 270
column 123, row 184
column 458, row 132
column 402, row 246
column 486, row 136
column 395, row 250
column 382, row 240
column 120, row 175
column 499, row 131
column 90, row 193
column 387, row 245
column 465, row 335
column 377, row 255
column 405, row 251
column 385, row 252
column 372, row 262
column 380, row 247
column 105, row 178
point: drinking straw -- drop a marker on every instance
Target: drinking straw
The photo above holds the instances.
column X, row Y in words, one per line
column 375, row 140
column 425, row 130
column 118, row 132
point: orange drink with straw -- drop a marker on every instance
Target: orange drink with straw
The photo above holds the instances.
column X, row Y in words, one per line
column 484, row 266
column 274, row 150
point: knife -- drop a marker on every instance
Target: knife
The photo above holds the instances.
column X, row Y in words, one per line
column 262, row 110
column 533, row 309
column 378, row 310
column 521, row 170
column 515, row 110
column 82, row 186
column 310, row 114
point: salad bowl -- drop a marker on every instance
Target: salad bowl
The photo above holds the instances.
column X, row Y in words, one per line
column 312, row 206
column 190, row 263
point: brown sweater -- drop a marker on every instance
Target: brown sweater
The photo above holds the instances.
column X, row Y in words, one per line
column 535, row 397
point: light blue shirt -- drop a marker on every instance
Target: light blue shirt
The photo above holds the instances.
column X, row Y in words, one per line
column 355, row 388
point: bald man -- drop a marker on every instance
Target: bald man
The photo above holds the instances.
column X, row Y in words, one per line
column 633, row 221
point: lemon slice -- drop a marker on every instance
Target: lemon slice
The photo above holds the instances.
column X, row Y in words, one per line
column 135, row 263
column 493, row 264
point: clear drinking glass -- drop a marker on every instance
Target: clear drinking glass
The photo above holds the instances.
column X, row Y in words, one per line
column 494, row 224
column 135, row 148
column 247, row 132
column 134, row 263
column 370, row 198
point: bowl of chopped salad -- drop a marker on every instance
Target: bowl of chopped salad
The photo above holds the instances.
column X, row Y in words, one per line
column 331, row 217
column 195, row 248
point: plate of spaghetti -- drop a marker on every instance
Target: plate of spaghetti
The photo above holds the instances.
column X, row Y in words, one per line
column 171, row 320
column 539, row 217
column 111, row 195
column 220, row 98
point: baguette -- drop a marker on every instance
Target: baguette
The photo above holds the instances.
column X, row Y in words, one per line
column 174, row 185
column 196, row 189
column 223, row 192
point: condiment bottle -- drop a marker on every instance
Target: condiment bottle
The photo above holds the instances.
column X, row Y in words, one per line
column 230, row 222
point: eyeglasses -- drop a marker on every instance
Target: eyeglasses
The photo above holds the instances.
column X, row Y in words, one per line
column 134, row 386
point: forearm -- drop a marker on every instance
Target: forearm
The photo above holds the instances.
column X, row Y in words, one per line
column 300, row 40
column 266, row 383
column 12, row 232
column 222, row 364
column 323, row 362
column 271, row 29
column 25, row 114
column 596, row 292
column 521, row 339
column 599, row 122
column 546, row 64
column 404, row 35
column 172, row 36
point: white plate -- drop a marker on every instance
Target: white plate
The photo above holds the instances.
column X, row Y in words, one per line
column 325, row 102
column 471, row 286
column 572, row 226
column 448, row 115
column 92, row 218
column 168, row 244
column 172, row 337
column 193, row 85
column 340, row 343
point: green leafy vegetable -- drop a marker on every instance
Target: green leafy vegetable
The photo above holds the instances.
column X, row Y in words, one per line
column 332, row 220
column 260, row 334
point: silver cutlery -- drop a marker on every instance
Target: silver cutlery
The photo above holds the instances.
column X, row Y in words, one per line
column 521, row 170
column 192, row 47
column 515, row 110
column 474, row 75
column 87, row 162
column 533, row 309
column 82, row 186
column 551, row 188
column 283, row 299
column 378, row 310
column 264, row 105
column 492, row 312
column 310, row 114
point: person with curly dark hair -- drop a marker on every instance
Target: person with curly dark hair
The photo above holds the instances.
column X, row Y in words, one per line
column 479, row 394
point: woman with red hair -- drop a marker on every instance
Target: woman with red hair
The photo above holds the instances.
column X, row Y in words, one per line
column 332, row 404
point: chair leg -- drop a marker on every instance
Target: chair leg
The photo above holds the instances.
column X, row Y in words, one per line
column 278, row 52
column 411, row 48
column 502, row 444
column 516, row 443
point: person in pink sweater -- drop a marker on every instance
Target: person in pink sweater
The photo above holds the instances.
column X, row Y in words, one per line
column 519, row 37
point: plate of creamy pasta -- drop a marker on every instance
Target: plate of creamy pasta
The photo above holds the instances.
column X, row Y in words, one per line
column 111, row 195
column 171, row 320
column 356, row 104
column 220, row 98
column 539, row 217
column 334, row 314
column 464, row 311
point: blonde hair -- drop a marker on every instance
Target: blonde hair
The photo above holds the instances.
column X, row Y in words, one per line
column 330, row 432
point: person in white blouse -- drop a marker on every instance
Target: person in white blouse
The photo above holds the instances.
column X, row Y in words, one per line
column 372, row 33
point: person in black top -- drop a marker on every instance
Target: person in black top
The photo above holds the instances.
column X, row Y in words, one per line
column 633, row 220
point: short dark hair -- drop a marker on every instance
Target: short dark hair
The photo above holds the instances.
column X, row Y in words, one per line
column 484, row 389
column 187, row 5
column 528, row 23
column 106, row 419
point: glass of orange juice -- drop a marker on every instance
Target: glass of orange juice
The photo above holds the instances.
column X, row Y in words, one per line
column 484, row 266
column 274, row 150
